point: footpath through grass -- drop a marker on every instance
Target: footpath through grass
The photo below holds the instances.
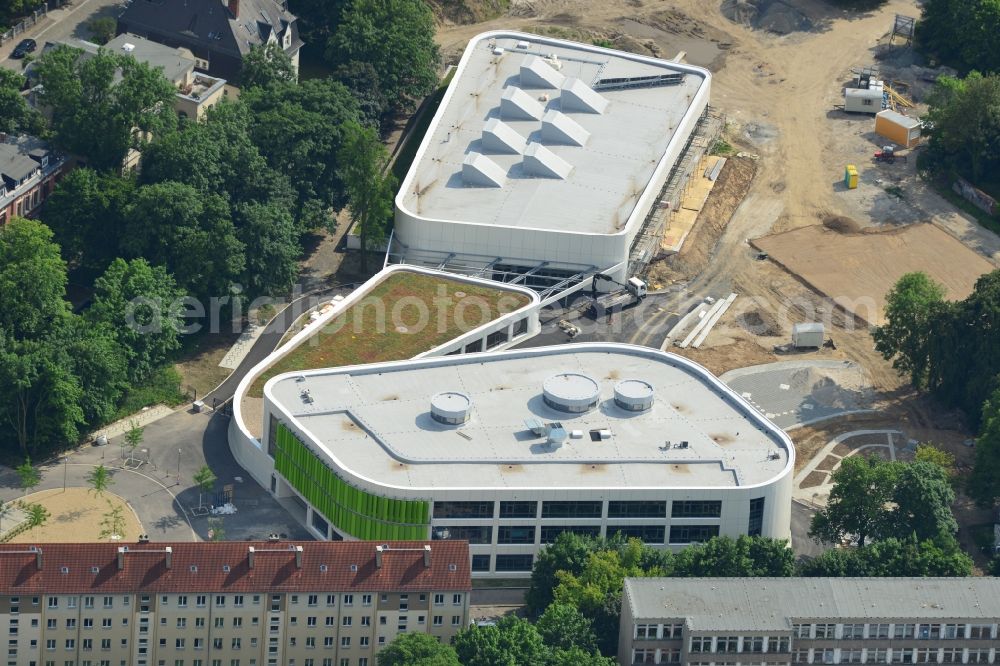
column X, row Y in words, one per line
column 403, row 315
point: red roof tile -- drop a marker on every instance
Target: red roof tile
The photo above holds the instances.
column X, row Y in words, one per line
column 82, row 568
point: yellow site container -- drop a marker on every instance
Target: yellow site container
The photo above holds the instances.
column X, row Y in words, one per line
column 901, row 130
column 851, row 177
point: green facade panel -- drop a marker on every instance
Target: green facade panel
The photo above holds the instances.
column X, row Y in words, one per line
column 351, row 510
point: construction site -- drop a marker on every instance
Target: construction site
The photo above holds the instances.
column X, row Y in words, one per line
column 769, row 229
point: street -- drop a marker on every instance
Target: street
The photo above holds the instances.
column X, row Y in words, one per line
column 70, row 20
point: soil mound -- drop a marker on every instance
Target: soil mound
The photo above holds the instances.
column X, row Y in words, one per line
column 841, row 224
column 775, row 16
column 759, row 323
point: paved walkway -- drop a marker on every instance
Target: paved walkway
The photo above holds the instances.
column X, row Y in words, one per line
column 817, row 495
column 797, row 393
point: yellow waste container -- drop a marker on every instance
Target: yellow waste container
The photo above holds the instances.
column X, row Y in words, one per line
column 851, row 177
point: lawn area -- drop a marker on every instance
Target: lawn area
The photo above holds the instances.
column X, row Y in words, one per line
column 402, row 316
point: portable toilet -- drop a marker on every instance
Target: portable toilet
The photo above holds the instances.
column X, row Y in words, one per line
column 851, row 177
column 901, row 130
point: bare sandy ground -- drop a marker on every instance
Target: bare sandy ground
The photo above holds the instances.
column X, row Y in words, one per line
column 76, row 515
column 856, row 270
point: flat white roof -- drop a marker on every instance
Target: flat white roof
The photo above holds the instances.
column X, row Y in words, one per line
column 558, row 95
column 374, row 421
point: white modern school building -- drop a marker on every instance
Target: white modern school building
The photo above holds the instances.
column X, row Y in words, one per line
column 545, row 157
column 508, row 449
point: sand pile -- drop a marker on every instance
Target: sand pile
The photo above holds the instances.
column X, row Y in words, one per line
column 774, row 16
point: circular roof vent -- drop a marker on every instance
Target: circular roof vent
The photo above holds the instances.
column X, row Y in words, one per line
column 571, row 392
column 634, row 395
column 451, row 407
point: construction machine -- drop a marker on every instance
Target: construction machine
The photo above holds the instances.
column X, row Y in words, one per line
column 628, row 293
column 889, row 155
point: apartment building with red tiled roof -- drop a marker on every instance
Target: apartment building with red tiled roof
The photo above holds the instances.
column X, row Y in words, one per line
column 226, row 603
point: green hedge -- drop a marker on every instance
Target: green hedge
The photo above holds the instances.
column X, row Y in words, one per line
column 350, row 509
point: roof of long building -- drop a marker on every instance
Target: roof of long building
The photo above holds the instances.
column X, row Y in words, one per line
column 759, row 604
column 375, row 421
column 224, row 567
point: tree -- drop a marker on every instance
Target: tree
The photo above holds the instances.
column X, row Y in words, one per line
column 362, row 80
column 87, row 213
column 99, row 479
column 741, row 557
column 369, row 187
column 965, row 130
column 922, row 497
column 140, row 304
column 301, row 130
column 40, row 396
column 397, row 38
column 100, row 365
column 569, row 552
column 932, row 454
column 857, row 505
column 910, row 306
column 190, row 233
column 37, row 515
column 133, row 438
column 892, row 557
column 112, row 523
column 27, row 475
column 961, row 32
column 266, row 66
column 104, row 105
column 102, row 29
column 512, row 641
column 563, row 627
column 32, row 280
column 205, row 479
column 271, row 245
column 16, row 116
column 984, row 482
column 416, row 649
column 578, row 657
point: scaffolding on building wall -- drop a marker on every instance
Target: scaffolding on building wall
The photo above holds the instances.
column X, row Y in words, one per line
column 646, row 244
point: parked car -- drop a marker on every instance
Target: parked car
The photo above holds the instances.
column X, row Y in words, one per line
column 23, row 48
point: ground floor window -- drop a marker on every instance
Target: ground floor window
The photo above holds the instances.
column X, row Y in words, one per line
column 514, row 562
column 480, row 562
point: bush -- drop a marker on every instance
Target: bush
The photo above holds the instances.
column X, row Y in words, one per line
column 102, row 30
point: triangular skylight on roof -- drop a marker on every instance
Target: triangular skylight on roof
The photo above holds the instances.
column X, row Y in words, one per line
column 499, row 137
column 536, row 73
column 559, row 128
column 480, row 171
column 578, row 96
column 515, row 104
column 542, row 162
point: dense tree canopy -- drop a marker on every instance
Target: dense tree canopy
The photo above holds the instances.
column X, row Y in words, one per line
column 396, row 37
column 417, row 649
column 140, row 305
column 950, row 346
column 964, row 119
column 265, row 66
column 32, row 280
column 893, row 557
column 88, row 213
column 910, row 305
column 300, row 130
column 984, row 482
column 369, row 184
column 96, row 113
column 15, row 114
column 962, row 33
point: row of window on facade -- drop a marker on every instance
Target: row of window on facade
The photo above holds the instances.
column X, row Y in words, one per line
column 220, row 600
column 583, row 509
column 309, row 661
column 930, row 631
column 837, row 656
column 494, row 339
column 525, row 534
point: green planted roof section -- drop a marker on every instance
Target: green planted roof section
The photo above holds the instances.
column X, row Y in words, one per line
column 351, row 510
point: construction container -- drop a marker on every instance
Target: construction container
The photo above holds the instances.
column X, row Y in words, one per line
column 809, row 335
column 864, row 100
column 851, row 177
column 901, row 130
